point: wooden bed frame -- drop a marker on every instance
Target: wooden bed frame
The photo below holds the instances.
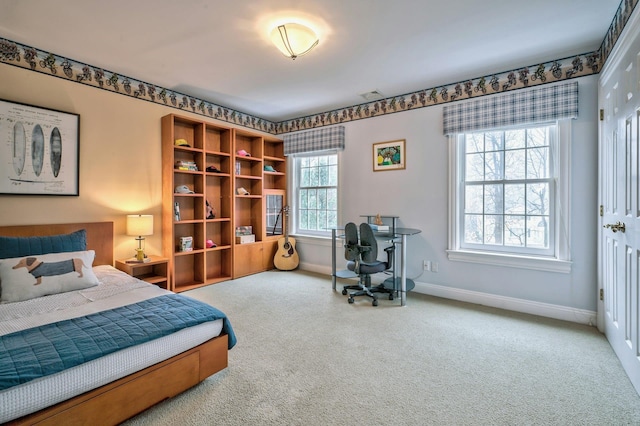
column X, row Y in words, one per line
column 124, row 398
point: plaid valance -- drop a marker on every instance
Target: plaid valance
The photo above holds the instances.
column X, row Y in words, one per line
column 314, row 140
column 521, row 107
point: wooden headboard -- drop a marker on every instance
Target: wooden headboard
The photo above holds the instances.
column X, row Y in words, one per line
column 99, row 236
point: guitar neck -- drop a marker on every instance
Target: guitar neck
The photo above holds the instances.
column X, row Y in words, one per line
column 285, row 224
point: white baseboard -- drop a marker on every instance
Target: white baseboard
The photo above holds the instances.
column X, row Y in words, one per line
column 548, row 310
column 318, row 269
column 580, row 316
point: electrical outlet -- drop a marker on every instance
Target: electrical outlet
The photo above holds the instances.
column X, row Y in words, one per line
column 434, row 266
column 426, row 265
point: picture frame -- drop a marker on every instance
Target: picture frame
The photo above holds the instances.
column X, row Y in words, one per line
column 39, row 150
column 389, row 155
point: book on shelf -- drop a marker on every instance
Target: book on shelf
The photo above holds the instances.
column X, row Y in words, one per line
column 186, row 244
column 186, row 165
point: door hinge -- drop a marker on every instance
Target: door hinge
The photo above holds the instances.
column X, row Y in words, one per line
column 601, row 114
column 601, row 294
column 601, row 210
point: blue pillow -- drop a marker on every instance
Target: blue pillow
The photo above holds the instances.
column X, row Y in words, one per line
column 25, row 246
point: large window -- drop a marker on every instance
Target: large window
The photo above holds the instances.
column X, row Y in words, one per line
column 316, row 190
column 508, row 187
column 508, row 190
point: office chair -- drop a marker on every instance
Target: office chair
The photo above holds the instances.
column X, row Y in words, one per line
column 362, row 258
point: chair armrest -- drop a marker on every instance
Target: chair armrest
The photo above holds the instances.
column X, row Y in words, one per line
column 390, row 251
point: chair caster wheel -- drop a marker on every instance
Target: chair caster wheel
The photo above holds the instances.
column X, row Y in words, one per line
column 390, row 296
column 344, row 292
column 375, row 302
column 350, row 300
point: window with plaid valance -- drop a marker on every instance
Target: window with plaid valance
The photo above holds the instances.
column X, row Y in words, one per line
column 521, row 107
column 314, row 140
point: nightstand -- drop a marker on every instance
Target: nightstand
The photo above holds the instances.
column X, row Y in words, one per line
column 156, row 271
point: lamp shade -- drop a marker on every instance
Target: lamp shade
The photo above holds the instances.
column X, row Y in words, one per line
column 139, row 224
column 294, row 40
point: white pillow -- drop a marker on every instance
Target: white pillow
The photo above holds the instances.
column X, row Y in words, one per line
column 25, row 278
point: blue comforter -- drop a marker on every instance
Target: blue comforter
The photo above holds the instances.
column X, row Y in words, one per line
column 40, row 351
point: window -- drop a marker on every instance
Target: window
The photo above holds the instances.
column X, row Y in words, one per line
column 509, row 188
column 316, row 193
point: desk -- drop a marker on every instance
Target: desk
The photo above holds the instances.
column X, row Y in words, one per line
column 400, row 233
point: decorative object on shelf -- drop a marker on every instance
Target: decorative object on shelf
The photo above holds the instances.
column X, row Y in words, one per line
column 38, row 150
column 378, row 225
column 140, row 225
column 244, row 239
column 183, row 189
column 269, row 169
column 389, row 155
column 294, row 39
column 242, row 191
column 244, row 230
column 176, row 212
column 211, row 212
column 186, row 244
column 243, row 153
column 210, row 244
column 212, row 169
column 182, row 142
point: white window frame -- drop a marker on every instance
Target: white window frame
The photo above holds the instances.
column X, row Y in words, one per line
column 294, row 184
column 559, row 261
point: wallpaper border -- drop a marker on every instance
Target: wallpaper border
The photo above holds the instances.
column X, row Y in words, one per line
column 16, row 54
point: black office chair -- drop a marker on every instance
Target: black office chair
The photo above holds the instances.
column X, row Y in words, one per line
column 362, row 258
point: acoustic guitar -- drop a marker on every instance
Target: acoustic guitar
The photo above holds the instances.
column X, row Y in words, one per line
column 286, row 258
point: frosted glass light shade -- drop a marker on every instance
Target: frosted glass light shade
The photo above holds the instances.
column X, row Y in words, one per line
column 139, row 224
column 294, row 40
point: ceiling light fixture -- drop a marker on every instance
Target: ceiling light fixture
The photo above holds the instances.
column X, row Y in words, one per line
column 294, row 40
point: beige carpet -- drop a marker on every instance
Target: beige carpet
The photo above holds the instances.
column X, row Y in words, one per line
column 306, row 357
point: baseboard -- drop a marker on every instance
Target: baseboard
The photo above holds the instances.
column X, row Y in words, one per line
column 564, row 313
column 318, row 269
column 548, row 310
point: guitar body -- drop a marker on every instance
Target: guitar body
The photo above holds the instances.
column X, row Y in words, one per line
column 286, row 258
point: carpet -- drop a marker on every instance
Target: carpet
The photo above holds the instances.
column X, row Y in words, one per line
column 307, row 357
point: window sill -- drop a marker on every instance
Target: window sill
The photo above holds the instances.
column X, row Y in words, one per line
column 513, row 261
column 319, row 240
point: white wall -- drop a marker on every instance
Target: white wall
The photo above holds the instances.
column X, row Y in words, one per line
column 419, row 195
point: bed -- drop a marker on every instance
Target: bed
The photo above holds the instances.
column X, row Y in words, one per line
column 186, row 340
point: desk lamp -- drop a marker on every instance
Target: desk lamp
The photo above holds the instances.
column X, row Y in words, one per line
column 140, row 225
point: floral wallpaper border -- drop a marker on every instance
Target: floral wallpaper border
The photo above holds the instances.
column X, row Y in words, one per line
column 23, row 56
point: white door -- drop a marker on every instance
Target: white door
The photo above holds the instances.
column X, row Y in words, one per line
column 619, row 239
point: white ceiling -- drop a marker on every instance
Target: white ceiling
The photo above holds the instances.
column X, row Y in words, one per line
column 217, row 50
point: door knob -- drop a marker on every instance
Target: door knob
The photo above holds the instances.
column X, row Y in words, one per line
column 615, row 227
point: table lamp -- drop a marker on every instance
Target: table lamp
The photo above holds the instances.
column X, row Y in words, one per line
column 140, row 225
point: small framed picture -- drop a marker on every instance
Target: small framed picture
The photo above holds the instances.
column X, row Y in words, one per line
column 389, row 155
